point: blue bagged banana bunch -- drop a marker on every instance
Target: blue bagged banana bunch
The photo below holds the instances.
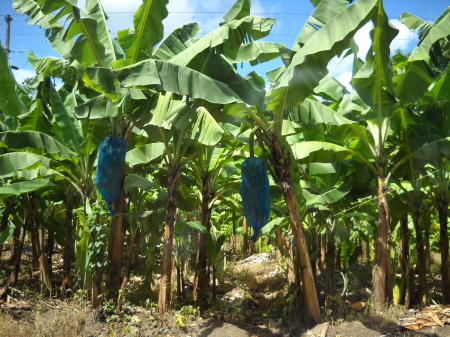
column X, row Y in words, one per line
column 255, row 193
column 109, row 170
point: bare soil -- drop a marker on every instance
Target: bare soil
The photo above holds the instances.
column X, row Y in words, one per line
column 248, row 306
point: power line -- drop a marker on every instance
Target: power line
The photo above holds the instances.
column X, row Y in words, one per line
column 272, row 34
column 218, row 12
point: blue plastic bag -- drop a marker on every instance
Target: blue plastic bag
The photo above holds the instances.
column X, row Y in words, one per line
column 109, row 170
column 255, row 193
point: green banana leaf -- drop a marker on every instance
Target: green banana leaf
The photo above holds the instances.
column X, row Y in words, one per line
column 22, row 187
column 37, row 140
column 177, row 79
column 6, row 234
column 308, row 65
column 176, row 42
column 93, row 44
column 138, row 42
column 10, row 103
column 145, row 154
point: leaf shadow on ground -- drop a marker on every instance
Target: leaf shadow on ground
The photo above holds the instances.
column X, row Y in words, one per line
column 215, row 328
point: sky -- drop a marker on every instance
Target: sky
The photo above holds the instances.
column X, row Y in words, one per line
column 290, row 17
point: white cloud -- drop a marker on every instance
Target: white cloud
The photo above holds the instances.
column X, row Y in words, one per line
column 180, row 12
column 22, row 74
column 405, row 40
column 345, row 79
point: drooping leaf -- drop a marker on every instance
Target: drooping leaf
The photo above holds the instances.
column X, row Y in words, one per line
column 95, row 10
column 373, row 81
column 321, row 152
column 330, row 89
column 145, row 154
column 142, row 214
column 342, row 232
column 96, row 108
column 176, row 42
column 14, row 161
column 330, row 196
column 240, row 8
column 308, row 65
column 176, row 79
column 197, row 225
column 72, row 133
column 10, row 103
column 37, row 140
column 6, row 234
column 439, row 31
column 93, row 44
column 313, row 111
column 323, row 13
column 271, row 224
column 22, row 187
column 230, row 36
column 133, row 180
column 411, row 83
column 442, row 87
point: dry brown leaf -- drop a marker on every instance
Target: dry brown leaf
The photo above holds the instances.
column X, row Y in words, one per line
column 357, row 306
column 414, row 327
column 430, row 324
column 436, row 319
column 423, row 321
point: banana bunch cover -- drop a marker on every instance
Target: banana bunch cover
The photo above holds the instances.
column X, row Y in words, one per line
column 255, row 193
column 109, row 170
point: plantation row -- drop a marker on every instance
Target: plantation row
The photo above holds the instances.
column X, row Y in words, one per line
column 348, row 172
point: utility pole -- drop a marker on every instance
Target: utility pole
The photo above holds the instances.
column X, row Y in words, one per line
column 8, row 19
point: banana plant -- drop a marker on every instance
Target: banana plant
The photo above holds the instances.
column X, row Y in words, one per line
column 213, row 178
column 293, row 83
column 138, row 72
column 382, row 98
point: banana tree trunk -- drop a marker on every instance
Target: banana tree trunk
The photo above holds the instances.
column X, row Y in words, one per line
column 15, row 241
column 68, row 243
column 166, row 276
column 245, row 239
column 49, row 249
column 403, row 258
column 234, row 231
column 330, row 256
column 16, row 254
column 421, row 258
column 34, row 232
column 115, row 247
column 368, row 255
column 37, row 245
column 426, row 239
column 314, row 247
column 284, row 175
column 9, row 202
column 279, row 241
column 443, row 244
column 381, row 274
column 291, row 266
column 323, row 249
column 201, row 276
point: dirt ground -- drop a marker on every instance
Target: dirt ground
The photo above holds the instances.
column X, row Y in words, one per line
column 75, row 319
column 250, row 304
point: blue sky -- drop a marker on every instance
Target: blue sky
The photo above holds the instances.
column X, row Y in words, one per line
column 290, row 15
